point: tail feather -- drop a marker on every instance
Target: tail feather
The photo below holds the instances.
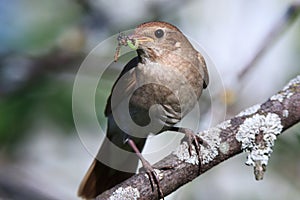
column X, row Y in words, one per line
column 116, row 162
column 100, row 178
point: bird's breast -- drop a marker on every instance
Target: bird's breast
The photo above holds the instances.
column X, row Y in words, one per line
column 166, row 86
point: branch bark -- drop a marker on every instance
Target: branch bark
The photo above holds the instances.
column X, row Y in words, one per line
column 253, row 130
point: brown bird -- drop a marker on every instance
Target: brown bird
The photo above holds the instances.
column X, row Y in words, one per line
column 154, row 92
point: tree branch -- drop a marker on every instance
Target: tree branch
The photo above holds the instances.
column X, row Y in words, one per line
column 253, row 130
column 291, row 14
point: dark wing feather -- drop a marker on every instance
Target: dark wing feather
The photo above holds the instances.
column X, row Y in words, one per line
column 205, row 76
column 128, row 86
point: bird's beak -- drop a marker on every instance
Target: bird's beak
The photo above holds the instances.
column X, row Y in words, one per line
column 144, row 39
column 135, row 41
column 140, row 39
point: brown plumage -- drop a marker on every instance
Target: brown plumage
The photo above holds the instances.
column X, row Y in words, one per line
column 167, row 72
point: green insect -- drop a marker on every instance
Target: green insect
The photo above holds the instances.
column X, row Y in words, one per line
column 133, row 46
column 123, row 40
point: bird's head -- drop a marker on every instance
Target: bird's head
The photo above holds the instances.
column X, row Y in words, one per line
column 155, row 39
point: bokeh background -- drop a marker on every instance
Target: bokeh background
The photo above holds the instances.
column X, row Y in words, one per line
column 43, row 43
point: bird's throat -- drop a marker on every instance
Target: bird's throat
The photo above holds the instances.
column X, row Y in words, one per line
column 148, row 55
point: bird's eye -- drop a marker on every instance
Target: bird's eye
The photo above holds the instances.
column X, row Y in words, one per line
column 159, row 33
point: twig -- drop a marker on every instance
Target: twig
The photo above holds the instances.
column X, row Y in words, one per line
column 253, row 130
column 280, row 27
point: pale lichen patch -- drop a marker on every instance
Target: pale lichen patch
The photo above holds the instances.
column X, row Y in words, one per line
column 158, row 173
column 207, row 152
column 224, row 125
column 249, row 111
column 224, row 147
column 213, row 139
column 182, row 152
column 287, row 91
column 292, row 82
column 257, row 135
column 128, row 193
column 277, row 97
column 285, row 113
column 281, row 96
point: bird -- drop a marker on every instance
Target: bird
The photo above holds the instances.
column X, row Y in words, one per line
column 153, row 92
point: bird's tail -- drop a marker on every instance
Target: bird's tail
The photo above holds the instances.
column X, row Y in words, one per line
column 115, row 163
column 100, row 178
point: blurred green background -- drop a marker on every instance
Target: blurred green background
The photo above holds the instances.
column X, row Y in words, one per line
column 43, row 44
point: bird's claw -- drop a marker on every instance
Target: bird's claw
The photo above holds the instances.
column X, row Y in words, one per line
column 194, row 140
column 153, row 178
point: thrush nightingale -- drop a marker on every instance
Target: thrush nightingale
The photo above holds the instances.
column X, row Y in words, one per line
column 154, row 92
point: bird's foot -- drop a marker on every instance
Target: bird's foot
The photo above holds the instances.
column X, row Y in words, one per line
column 150, row 171
column 195, row 141
column 153, row 176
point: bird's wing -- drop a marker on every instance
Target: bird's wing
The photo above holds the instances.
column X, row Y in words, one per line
column 128, row 85
column 205, row 75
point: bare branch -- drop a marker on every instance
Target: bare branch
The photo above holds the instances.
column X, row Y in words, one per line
column 253, row 130
column 279, row 28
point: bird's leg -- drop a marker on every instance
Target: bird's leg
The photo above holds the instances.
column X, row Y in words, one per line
column 148, row 168
column 193, row 140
